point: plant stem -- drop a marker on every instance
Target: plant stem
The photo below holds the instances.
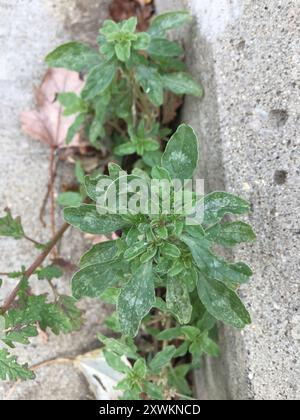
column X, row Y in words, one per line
column 31, row 240
column 31, row 270
column 52, row 190
column 53, row 288
column 45, row 199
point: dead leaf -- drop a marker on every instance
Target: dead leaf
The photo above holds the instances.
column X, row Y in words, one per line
column 99, row 239
column 67, row 266
column 124, row 9
column 143, row 2
column 47, row 122
column 171, row 106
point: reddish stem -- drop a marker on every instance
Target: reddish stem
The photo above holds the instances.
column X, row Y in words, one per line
column 31, row 270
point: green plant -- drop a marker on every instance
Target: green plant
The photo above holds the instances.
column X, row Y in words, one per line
column 162, row 275
column 125, row 85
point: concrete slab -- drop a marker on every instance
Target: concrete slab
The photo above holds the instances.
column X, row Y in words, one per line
column 246, row 55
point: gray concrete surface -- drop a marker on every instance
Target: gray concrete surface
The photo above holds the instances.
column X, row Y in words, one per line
column 246, row 54
column 29, row 29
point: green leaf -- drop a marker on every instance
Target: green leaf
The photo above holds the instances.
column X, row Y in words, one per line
column 162, row 47
column 114, row 170
column 191, row 332
column 99, row 79
column 49, row 273
column 222, row 303
column 218, row 204
column 140, row 369
column 61, row 316
column 20, row 334
column 112, row 322
column 181, row 154
column 79, row 172
column 11, row 227
column 160, row 173
column 135, row 250
column 244, row 270
column 136, row 300
column 133, row 236
column 214, row 267
column 87, row 219
column 169, row 334
column 66, row 317
column 28, row 316
column 109, row 27
column 93, row 280
column 177, row 379
column 162, row 232
column 149, row 254
column 129, row 24
column 2, row 325
column 196, row 231
column 118, row 347
column 166, row 21
column 18, row 325
column 73, row 56
column 207, row 345
column 176, row 269
column 190, row 277
column 142, row 42
column 231, row 234
column 162, row 358
column 111, row 295
column 96, row 132
column 206, row 322
column 72, row 103
column 182, row 84
column 182, row 350
column 75, row 128
column 97, row 129
column 160, row 304
column 92, row 186
column 152, row 158
column 123, row 50
column 150, row 145
column 69, row 199
column 100, row 253
column 178, row 300
column 115, row 362
column 154, row 391
column 151, row 82
column 130, row 395
column 11, row 370
column 170, row 250
column 125, row 149
column 107, row 50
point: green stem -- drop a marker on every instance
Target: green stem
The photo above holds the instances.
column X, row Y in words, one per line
column 32, row 240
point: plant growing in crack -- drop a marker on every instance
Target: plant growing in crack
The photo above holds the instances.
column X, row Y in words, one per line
column 162, row 275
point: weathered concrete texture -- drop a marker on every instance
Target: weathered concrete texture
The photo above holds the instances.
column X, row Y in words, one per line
column 28, row 31
column 246, row 55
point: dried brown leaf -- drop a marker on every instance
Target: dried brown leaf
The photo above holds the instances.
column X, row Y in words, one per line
column 143, row 2
column 171, row 106
column 99, row 239
column 47, row 122
column 124, row 9
column 67, row 266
